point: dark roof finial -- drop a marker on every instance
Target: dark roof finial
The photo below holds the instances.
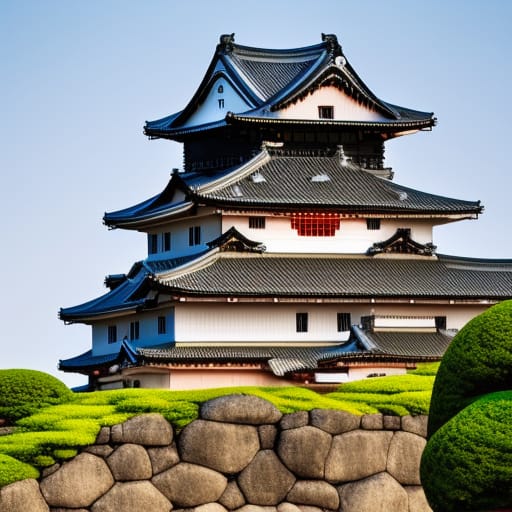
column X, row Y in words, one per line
column 226, row 42
column 331, row 41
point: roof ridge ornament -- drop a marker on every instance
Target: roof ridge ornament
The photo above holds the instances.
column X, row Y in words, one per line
column 226, row 42
column 334, row 48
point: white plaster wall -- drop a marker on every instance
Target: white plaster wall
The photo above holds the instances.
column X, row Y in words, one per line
column 352, row 238
column 210, row 229
column 148, row 331
column 259, row 322
column 200, row 379
column 345, row 108
column 363, row 372
column 210, row 111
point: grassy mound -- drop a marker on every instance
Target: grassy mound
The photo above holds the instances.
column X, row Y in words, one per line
column 12, row 470
column 25, row 391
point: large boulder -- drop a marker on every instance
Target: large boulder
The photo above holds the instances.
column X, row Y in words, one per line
column 130, row 462
column 246, row 409
column 190, row 485
column 304, row 450
column 333, row 421
column 225, row 447
column 22, row 496
column 265, row 481
column 132, row 497
column 78, row 483
column 404, row 457
column 314, row 492
column 147, row 429
column 377, row 493
column 357, row 454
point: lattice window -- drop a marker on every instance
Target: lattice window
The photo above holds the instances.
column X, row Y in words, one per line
column 343, row 322
column 301, row 322
column 134, row 330
column 112, row 333
column 257, row 222
column 316, row 224
column 373, row 224
column 162, row 325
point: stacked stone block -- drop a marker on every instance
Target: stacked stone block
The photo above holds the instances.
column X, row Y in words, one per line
column 241, row 455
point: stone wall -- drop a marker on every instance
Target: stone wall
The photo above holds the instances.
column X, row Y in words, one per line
column 241, row 454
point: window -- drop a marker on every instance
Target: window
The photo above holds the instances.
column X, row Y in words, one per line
column 162, row 325
column 316, row 224
column 344, row 322
column 301, row 320
column 257, row 222
column 373, row 224
column 167, row 241
column 440, row 322
column 112, row 333
column 134, row 330
column 326, row 112
column 221, row 102
column 194, row 235
column 152, row 244
column 220, row 89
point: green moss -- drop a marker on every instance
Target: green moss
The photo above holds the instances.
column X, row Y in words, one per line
column 478, row 361
column 26, row 391
column 467, row 463
column 12, row 470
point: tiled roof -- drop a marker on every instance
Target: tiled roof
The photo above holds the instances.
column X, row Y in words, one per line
column 400, row 343
column 281, row 360
column 86, row 360
column 273, row 275
column 268, row 79
column 289, row 181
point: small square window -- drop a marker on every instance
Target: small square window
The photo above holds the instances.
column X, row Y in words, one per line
column 257, row 222
column 167, row 241
column 112, row 333
column 162, row 325
column 134, row 330
column 326, row 112
column 373, row 224
column 344, row 322
column 301, row 320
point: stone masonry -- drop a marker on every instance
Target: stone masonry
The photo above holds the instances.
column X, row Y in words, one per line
column 241, row 455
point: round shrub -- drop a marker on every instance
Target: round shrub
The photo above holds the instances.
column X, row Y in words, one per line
column 467, row 463
column 25, row 391
column 478, row 361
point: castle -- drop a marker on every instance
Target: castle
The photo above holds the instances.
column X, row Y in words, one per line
column 283, row 251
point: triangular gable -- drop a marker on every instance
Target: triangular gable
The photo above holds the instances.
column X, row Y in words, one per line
column 402, row 243
column 233, row 240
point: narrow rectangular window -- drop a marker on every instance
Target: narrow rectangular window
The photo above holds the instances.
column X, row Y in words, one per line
column 257, row 222
column 326, row 112
column 134, row 330
column 373, row 224
column 194, row 235
column 167, row 241
column 301, row 320
column 344, row 322
column 221, row 102
column 162, row 325
column 152, row 244
column 112, row 333
column 440, row 322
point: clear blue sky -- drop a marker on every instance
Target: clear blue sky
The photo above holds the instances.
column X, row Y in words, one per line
column 79, row 79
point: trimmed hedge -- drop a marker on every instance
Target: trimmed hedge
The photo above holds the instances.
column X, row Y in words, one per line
column 478, row 361
column 26, row 391
column 467, row 463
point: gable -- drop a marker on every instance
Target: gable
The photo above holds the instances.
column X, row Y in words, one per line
column 345, row 108
column 219, row 99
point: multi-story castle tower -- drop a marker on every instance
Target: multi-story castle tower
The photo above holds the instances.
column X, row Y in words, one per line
column 283, row 251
